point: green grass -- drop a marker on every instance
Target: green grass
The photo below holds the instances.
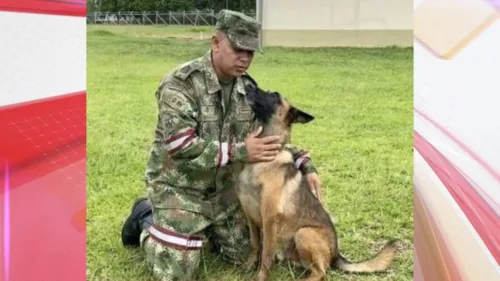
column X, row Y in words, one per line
column 152, row 31
column 361, row 141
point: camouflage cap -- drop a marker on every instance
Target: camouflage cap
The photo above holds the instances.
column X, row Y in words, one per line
column 242, row 30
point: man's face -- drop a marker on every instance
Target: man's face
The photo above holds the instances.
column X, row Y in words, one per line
column 232, row 61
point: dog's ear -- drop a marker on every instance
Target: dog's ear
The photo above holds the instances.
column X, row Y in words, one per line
column 299, row 116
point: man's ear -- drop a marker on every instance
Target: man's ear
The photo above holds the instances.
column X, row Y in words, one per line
column 299, row 116
column 215, row 43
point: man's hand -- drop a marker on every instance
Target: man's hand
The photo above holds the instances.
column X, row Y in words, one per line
column 261, row 149
column 315, row 184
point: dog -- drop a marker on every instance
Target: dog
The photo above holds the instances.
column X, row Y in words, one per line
column 278, row 202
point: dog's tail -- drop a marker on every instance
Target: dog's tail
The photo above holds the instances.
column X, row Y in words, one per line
column 376, row 264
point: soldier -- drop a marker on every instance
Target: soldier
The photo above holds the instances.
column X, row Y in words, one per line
column 204, row 125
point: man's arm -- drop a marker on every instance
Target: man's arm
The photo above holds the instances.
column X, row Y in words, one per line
column 177, row 127
column 304, row 164
column 302, row 159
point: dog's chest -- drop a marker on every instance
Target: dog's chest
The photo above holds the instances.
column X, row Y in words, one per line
column 248, row 185
column 249, row 193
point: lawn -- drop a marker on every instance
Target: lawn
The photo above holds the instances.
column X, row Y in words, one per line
column 361, row 141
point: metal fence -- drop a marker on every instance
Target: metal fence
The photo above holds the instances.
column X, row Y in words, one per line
column 149, row 18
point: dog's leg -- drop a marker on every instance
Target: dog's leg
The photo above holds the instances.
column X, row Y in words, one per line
column 268, row 247
column 254, row 242
column 289, row 254
column 313, row 247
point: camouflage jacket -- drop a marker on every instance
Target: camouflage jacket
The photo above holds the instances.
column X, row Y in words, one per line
column 197, row 138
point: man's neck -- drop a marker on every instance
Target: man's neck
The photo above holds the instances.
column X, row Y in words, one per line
column 226, row 82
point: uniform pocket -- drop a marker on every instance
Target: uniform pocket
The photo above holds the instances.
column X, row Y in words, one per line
column 210, row 120
column 242, row 125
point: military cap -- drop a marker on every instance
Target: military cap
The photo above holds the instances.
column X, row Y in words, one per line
column 242, row 30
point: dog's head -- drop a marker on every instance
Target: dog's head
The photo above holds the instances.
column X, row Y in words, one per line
column 272, row 109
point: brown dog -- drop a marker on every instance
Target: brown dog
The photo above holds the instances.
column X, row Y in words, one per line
column 277, row 200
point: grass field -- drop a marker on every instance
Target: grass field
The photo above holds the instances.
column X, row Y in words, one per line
column 361, row 141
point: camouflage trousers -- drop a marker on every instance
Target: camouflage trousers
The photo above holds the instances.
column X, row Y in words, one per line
column 174, row 244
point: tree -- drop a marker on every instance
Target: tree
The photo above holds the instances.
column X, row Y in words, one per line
column 169, row 5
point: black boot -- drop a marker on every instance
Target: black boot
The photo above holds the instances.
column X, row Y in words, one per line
column 140, row 215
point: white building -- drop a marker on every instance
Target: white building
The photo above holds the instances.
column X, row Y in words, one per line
column 353, row 23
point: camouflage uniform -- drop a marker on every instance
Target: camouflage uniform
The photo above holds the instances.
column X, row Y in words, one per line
column 189, row 170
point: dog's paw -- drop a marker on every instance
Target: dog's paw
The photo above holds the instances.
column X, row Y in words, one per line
column 251, row 265
column 261, row 277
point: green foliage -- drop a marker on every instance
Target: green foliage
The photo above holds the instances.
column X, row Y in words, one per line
column 169, row 5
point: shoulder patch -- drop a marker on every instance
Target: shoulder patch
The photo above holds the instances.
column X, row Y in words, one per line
column 186, row 70
column 177, row 101
column 180, row 103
